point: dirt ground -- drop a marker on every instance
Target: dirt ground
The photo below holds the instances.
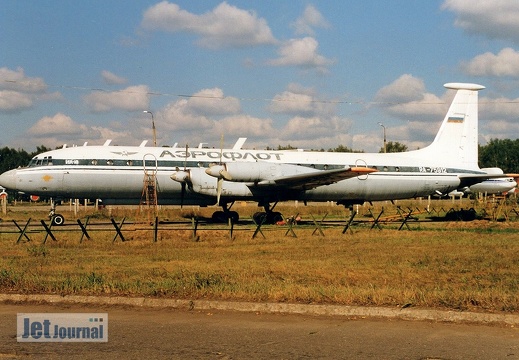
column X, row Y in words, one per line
column 137, row 333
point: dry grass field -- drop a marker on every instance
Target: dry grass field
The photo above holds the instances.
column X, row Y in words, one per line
column 449, row 264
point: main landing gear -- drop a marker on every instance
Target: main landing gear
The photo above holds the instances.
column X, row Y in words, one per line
column 268, row 216
column 225, row 215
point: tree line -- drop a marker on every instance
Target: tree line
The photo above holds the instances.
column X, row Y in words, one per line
column 12, row 158
column 501, row 153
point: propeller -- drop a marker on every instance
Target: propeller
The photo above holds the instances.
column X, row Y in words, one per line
column 184, row 178
column 220, row 176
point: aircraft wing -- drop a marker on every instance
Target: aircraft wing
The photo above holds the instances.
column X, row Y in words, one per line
column 319, row 178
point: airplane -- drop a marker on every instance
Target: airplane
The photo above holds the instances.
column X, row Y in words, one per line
column 505, row 185
column 202, row 176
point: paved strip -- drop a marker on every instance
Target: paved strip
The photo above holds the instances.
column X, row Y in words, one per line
column 273, row 308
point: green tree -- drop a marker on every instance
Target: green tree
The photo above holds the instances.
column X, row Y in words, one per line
column 501, row 153
column 342, row 148
column 12, row 158
column 287, row 147
column 393, row 147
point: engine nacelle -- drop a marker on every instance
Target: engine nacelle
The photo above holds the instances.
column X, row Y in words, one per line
column 246, row 171
column 180, row 176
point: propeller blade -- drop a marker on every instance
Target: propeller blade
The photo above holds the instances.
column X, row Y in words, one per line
column 182, row 193
column 218, row 190
column 185, row 160
column 225, row 175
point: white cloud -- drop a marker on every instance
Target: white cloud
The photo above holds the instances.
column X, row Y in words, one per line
column 498, row 108
column 198, row 111
column 132, row 98
column 317, row 126
column 11, row 101
column 56, row 125
column 405, row 88
column 310, row 19
column 308, row 130
column 302, row 53
column 491, row 18
column 213, row 102
column 298, row 100
column 244, row 125
column 497, row 129
column 291, row 103
column 19, row 92
column 61, row 129
column 505, row 63
column 224, row 26
column 177, row 116
column 407, row 98
column 16, row 80
column 112, row 79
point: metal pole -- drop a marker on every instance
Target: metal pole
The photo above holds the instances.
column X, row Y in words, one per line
column 152, row 127
column 383, row 127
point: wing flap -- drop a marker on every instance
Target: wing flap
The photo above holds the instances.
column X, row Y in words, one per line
column 320, row 178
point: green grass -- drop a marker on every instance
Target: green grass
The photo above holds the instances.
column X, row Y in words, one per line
column 451, row 265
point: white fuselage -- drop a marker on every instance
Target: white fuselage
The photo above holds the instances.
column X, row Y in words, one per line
column 116, row 174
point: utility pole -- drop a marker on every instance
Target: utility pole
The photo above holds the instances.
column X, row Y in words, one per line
column 383, row 127
column 152, row 127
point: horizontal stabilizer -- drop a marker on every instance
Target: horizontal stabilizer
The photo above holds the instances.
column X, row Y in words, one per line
column 464, row 86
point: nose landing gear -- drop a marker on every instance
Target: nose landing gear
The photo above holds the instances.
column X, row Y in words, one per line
column 55, row 219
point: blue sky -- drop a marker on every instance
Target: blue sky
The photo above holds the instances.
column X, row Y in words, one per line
column 312, row 74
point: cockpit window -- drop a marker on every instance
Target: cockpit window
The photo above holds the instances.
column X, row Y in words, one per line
column 35, row 161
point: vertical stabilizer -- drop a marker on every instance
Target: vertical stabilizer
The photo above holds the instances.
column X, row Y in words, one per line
column 457, row 139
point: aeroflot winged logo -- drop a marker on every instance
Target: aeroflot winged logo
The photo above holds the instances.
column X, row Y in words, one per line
column 62, row 327
column 124, row 153
column 228, row 155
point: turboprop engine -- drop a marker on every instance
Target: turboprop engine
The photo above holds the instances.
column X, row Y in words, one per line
column 254, row 172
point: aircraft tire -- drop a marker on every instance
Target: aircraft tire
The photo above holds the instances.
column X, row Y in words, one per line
column 234, row 216
column 58, row 220
column 224, row 216
column 219, row 217
column 267, row 217
column 274, row 217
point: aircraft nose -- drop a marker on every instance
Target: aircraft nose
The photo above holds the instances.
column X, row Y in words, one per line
column 8, row 179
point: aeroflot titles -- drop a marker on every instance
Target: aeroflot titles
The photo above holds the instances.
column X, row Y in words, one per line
column 232, row 155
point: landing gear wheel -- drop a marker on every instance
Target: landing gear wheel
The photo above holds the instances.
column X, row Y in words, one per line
column 224, row 216
column 57, row 220
column 234, row 216
column 270, row 217
column 274, row 217
column 219, row 217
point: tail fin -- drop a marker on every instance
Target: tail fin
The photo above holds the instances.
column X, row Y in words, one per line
column 457, row 139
